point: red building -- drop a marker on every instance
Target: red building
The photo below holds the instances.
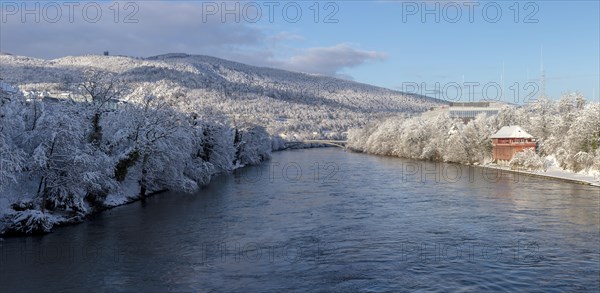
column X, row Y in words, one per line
column 510, row 140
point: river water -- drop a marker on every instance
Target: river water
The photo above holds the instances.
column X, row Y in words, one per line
column 331, row 221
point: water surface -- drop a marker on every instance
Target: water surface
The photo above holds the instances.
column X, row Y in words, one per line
column 328, row 220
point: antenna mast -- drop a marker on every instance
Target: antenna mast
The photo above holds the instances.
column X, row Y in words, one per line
column 502, row 81
column 543, row 74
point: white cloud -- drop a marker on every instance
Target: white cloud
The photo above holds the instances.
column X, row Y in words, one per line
column 174, row 27
column 331, row 60
column 161, row 28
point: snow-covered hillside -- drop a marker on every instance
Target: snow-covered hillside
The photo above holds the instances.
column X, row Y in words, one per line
column 91, row 132
column 284, row 102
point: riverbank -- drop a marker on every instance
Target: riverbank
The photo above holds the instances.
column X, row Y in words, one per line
column 553, row 173
column 39, row 222
column 116, row 200
column 45, row 222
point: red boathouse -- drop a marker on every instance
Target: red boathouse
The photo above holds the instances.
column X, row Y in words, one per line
column 510, row 140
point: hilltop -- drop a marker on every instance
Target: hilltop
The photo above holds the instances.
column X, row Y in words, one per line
column 282, row 101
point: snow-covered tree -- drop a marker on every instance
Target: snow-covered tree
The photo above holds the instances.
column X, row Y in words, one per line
column 11, row 126
column 528, row 160
column 582, row 139
column 101, row 90
column 67, row 168
column 252, row 143
column 544, row 119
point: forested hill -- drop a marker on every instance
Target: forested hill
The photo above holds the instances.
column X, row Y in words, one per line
column 282, row 101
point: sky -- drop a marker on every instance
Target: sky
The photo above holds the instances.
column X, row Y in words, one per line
column 454, row 50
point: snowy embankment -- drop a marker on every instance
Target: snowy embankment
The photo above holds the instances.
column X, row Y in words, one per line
column 17, row 218
column 33, row 221
column 555, row 173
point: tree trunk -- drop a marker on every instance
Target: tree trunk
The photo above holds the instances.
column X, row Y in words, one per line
column 123, row 165
column 96, row 135
column 143, row 182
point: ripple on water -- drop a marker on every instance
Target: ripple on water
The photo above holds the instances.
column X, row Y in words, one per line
column 368, row 231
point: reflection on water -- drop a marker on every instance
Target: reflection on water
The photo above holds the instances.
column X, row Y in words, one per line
column 328, row 220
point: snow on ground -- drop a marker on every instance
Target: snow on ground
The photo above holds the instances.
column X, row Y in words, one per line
column 128, row 190
column 589, row 177
column 553, row 171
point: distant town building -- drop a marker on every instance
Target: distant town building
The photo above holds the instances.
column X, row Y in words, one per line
column 467, row 110
column 6, row 90
column 510, row 140
column 115, row 104
column 5, row 87
column 281, row 119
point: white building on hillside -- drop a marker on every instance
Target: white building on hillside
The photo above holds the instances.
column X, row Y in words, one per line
column 467, row 110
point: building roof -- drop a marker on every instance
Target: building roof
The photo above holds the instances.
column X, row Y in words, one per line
column 513, row 131
column 470, row 104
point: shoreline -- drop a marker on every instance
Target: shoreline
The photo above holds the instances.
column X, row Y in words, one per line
column 78, row 219
column 132, row 199
column 75, row 220
column 580, row 181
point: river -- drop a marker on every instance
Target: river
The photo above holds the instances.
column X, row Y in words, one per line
column 328, row 220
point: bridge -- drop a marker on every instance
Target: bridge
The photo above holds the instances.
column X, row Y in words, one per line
column 337, row 143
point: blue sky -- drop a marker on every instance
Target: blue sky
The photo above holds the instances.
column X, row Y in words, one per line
column 388, row 44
